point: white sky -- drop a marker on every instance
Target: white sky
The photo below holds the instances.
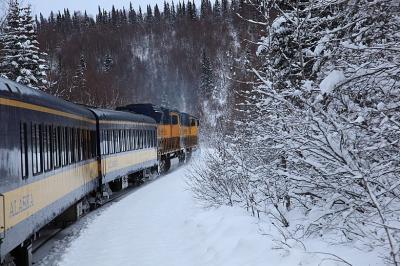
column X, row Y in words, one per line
column 91, row 6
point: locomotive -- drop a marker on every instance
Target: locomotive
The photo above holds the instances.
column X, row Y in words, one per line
column 56, row 156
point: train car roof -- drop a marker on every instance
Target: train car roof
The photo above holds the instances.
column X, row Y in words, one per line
column 154, row 111
column 112, row 115
column 19, row 92
column 158, row 113
column 191, row 116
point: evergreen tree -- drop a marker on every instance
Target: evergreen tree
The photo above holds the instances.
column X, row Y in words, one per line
column 207, row 78
column 79, row 80
column 33, row 67
column 10, row 43
column 132, row 15
column 205, row 9
column 114, row 17
column 173, row 11
column 108, row 63
column 167, row 11
column 149, row 14
column 157, row 14
column 225, row 9
column 140, row 15
column 22, row 60
column 217, row 9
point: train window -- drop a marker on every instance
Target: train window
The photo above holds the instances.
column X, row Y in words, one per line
column 44, row 141
column 113, row 142
column 80, row 146
column 108, row 136
column 72, row 145
column 144, row 139
column 174, row 119
column 63, row 147
column 153, row 141
column 136, row 139
column 154, row 138
column 56, row 147
column 68, row 144
column 36, row 149
column 94, row 144
column 127, row 140
column 116, row 141
column 124, row 142
column 86, row 142
column 149, row 139
column 122, row 134
column 110, row 142
column 116, row 145
column 47, row 148
column 89, row 144
column 102, row 146
column 140, row 139
column 51, row 147
column 105, row 141
column 193, row 123
column 24, row 150
column 75, row 145
column 81, row 152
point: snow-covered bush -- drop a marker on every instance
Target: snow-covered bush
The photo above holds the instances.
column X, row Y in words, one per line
column 324, row 126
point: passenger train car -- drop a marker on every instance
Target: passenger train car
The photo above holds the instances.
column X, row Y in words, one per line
column 55, row 156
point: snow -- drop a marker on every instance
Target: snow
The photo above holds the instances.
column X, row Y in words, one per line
column 331, row 81
column 161, row 224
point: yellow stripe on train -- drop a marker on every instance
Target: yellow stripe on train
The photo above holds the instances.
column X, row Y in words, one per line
column 23, row 202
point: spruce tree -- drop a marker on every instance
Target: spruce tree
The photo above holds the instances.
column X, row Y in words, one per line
column 21, row 59
column 32, row 65
column 206, row 79
column 79, row 80
column 9, row 66
column 157, row 14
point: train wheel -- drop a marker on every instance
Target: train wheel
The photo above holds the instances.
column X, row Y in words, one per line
column 182, row 157
column 188, row 156
column 167, row 164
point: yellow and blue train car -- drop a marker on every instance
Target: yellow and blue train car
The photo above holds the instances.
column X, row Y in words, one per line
column 48, row 161
column 127, row 144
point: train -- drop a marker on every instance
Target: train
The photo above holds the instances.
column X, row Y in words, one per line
column 58, row 158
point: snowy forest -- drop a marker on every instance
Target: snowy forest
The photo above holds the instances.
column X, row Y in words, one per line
column 158, row 55
column 299, row 100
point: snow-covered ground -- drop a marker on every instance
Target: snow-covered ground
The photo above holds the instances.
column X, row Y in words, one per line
column 161, row 224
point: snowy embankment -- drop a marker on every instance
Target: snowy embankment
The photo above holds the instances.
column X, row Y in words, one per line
column 161, row 224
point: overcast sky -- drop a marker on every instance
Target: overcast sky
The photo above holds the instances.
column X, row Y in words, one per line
column 91, row 6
